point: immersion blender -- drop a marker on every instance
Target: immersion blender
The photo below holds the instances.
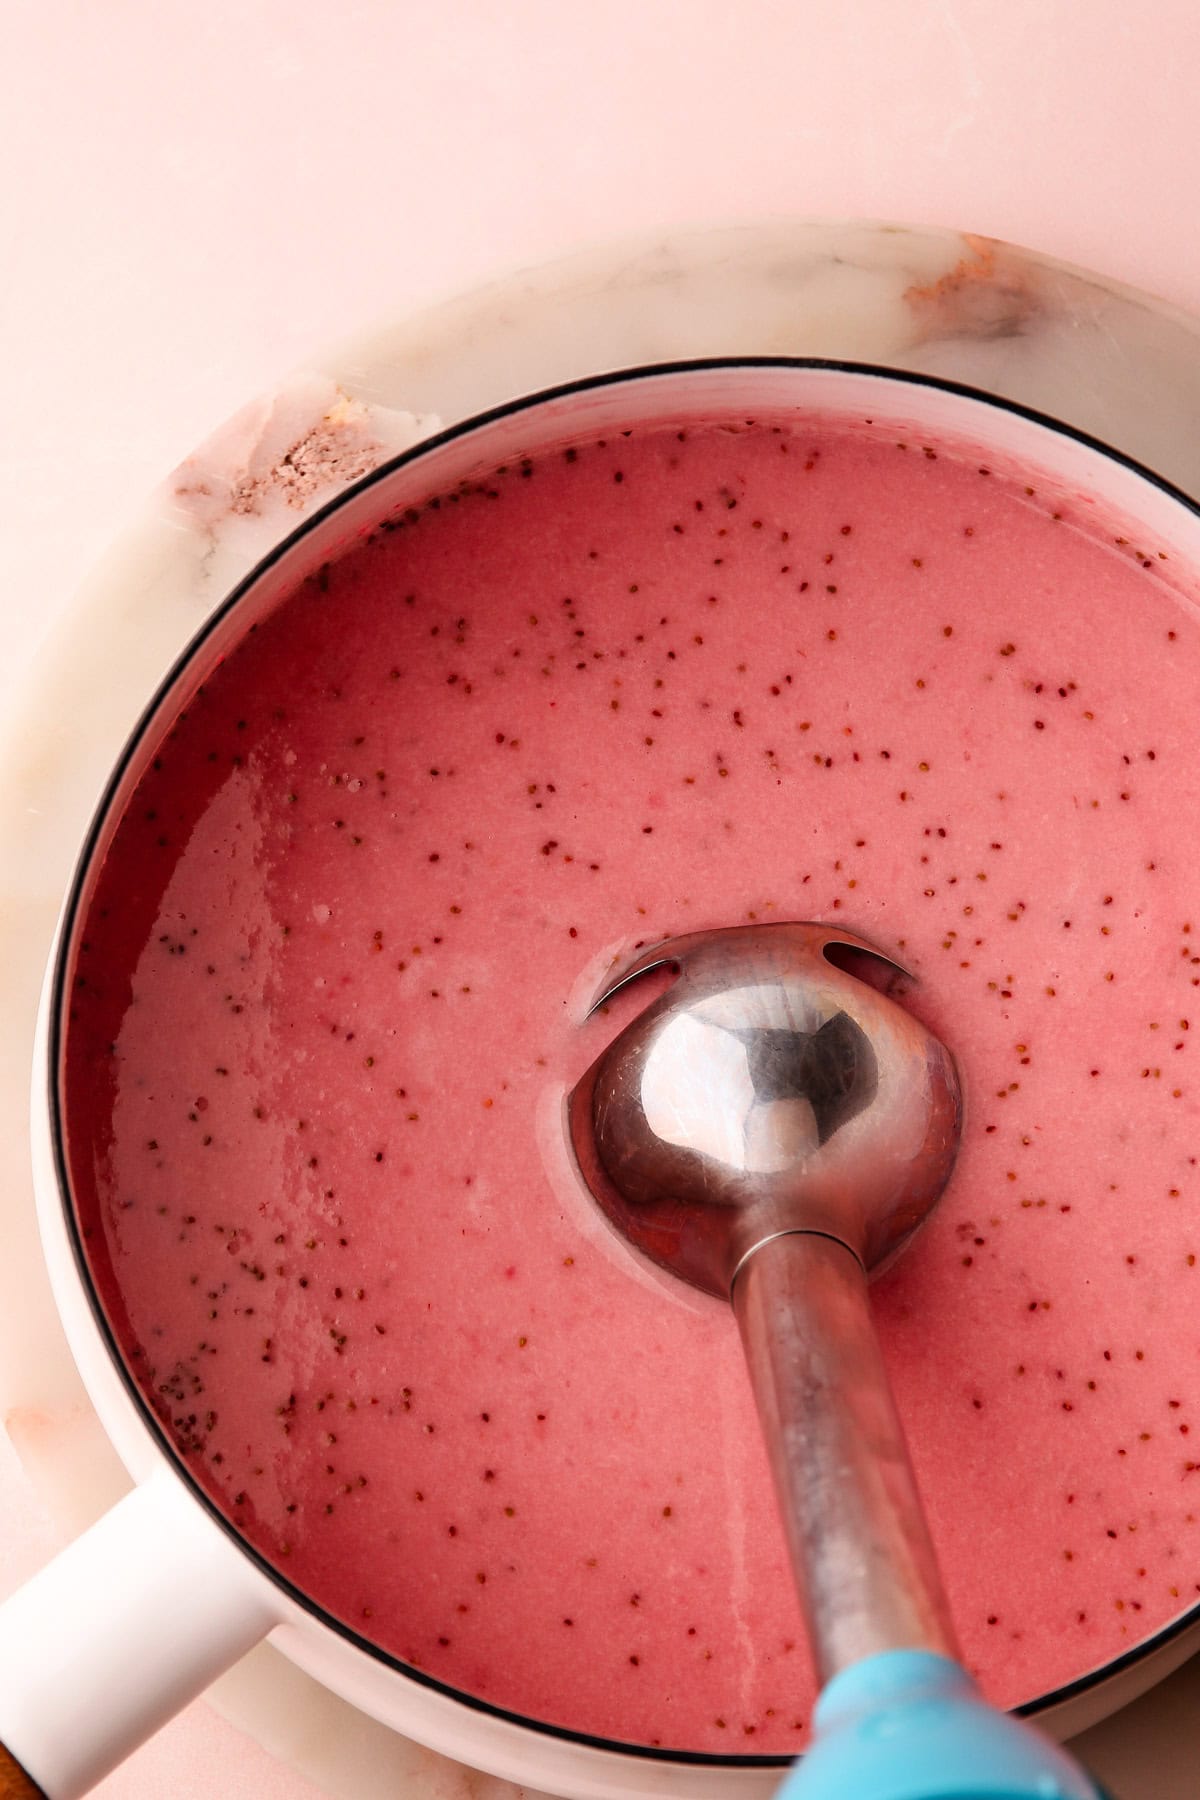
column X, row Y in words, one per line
column 772, row 1129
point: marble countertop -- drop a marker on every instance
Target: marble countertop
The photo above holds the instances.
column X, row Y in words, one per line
column 213, row 196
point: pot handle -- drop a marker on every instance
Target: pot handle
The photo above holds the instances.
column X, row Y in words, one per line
column 116, row 1635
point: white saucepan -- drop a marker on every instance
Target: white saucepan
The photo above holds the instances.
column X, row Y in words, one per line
column 141, row 1613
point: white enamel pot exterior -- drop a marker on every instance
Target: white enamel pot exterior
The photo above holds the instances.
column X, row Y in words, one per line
column 150, row 1605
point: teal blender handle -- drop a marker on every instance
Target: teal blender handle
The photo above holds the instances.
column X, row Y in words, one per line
column 899, row 1718
column 911, row 1725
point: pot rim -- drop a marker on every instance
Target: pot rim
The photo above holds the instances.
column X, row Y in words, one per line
column 54, row 999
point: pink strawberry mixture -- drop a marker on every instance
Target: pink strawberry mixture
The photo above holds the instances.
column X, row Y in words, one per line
column 330, row 998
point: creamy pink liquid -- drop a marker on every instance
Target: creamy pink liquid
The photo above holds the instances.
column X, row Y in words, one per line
column 331, row 997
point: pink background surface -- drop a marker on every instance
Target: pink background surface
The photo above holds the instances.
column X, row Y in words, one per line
column 195, row 197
